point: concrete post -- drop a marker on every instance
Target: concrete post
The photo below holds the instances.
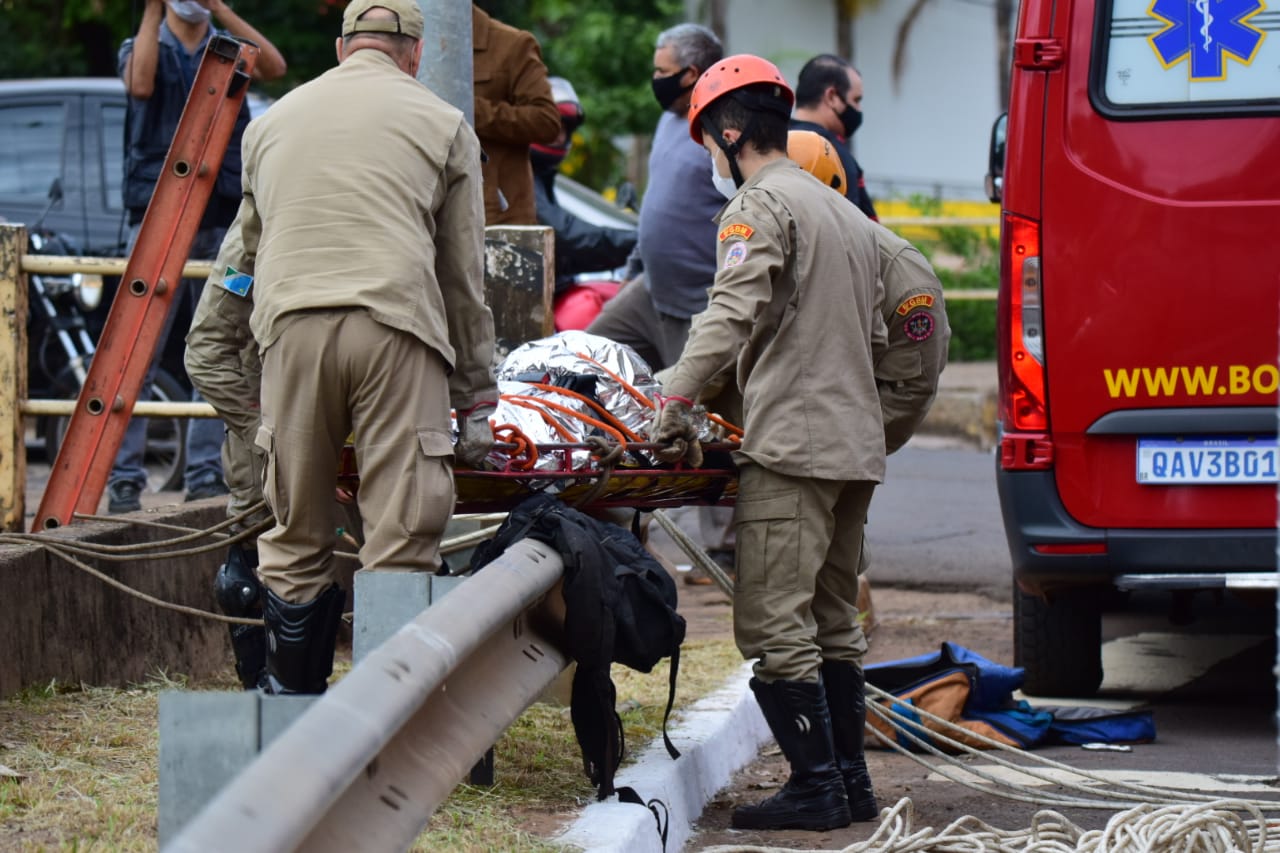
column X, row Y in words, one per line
column 446, row 53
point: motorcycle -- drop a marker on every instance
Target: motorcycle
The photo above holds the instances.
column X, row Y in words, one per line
column 60, row 348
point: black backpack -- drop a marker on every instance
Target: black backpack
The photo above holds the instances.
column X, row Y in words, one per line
column 620, row 606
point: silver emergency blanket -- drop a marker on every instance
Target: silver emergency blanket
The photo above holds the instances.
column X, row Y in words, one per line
column 566, row 359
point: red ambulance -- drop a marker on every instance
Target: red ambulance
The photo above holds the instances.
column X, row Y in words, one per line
column 1138, row 170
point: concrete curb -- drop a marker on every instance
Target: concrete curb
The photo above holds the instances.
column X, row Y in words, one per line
column 717, row 736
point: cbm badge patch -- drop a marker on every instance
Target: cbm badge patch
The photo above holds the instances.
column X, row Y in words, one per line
column 737, row 254
column 237, row 282
column 919, row 326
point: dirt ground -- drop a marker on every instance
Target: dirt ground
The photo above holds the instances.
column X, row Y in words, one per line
column 906, row 623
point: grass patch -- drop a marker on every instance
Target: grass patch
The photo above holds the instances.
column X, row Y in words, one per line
column 88, row 757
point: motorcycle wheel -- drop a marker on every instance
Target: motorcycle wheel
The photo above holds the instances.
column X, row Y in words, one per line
column 166, row 454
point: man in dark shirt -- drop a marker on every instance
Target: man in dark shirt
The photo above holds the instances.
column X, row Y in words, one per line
column 829, row 102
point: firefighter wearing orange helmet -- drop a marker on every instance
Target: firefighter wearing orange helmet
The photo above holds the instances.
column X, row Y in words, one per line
column 792, row 314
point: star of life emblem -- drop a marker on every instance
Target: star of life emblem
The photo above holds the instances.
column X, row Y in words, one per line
column 1206, row 33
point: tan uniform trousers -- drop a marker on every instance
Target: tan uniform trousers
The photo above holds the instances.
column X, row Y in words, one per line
column 332, row 373
column 243, row 465
column 797, row 560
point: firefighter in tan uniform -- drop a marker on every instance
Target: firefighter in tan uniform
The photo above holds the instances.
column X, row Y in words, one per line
column 363, row 220
column 908, row 369
column 911, row 358
column 222, row 361
column 793, row 311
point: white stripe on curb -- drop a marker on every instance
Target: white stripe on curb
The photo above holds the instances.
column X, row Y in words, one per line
column 717, row 736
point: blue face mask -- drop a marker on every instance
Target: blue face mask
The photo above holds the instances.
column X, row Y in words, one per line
column 189, row 11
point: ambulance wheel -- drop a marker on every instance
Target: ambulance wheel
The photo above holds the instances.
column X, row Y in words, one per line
column 1058, row 643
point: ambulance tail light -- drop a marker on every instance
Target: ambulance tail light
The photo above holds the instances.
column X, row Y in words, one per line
column 1024, row 411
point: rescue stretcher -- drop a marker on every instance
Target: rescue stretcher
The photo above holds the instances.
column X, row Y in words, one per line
column 572, row 421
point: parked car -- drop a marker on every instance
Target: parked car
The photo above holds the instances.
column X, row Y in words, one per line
column 72, row 130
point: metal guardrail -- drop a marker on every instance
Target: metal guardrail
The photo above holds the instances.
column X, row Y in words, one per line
column 365, row 766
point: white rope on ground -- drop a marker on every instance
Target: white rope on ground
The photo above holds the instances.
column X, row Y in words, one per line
column 1215, row 827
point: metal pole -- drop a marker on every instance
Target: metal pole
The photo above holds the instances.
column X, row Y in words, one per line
column 446, row 53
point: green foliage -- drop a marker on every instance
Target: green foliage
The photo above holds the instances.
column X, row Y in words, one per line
column 606, row 51
column 973, row 321
column 964, row 259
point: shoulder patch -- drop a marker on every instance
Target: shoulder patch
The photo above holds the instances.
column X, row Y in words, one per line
column 737, row 229
column 923, row 300
column 737, row 254
column 237, row 282
column 919, row 326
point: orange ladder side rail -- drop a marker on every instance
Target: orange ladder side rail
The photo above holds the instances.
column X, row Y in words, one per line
column 152, row 280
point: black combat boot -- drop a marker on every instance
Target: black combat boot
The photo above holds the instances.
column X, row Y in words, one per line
column 300, row 641
column 239, row 594
column 846, row 695
column 813, row 797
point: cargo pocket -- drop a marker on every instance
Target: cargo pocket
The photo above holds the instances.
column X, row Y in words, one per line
column 769, row 536
column 276, row 497
column 431, row 496
column 899, row 364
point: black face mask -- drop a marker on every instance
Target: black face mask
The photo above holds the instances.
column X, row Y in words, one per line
column 668, row 89
column 850, row 119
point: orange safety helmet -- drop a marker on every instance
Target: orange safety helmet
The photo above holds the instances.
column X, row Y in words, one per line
column 732, row 74
column 817, row 156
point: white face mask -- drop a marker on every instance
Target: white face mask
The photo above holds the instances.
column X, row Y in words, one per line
column 189, row 11
column 723, row 184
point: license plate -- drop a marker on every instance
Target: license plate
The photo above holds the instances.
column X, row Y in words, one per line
column 1206, row 461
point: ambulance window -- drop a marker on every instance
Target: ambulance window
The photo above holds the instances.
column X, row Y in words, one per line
column 1179, row 54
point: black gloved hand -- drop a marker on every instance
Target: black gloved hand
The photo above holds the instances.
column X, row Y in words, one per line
column 674, row 427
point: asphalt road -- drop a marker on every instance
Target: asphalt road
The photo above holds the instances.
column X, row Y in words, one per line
column 935, row 522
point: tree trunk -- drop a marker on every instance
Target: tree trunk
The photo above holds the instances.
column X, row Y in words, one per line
column 716, row 15
column 844, row 30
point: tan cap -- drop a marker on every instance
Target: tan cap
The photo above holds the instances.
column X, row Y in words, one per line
column 408, row 12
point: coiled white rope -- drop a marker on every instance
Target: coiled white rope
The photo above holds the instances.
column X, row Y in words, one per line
column 1215, row 827
column 1154, row 819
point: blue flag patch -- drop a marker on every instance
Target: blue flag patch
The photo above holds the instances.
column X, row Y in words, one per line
column 237, row 282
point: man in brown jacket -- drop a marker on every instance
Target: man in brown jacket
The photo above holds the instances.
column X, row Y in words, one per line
column 362, row 222
column 514, row 110
column 793, row 311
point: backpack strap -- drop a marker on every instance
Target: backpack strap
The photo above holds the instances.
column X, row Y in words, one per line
column 627, row 794
column 671, row 699
column 671, row 684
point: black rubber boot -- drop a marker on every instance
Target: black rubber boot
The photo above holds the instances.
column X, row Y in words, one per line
column 846, row 695
column 239, row 593
column 300, row 641
column 813, row 797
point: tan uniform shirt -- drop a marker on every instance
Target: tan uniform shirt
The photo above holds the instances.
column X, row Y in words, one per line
column 907, row 369
column 412, row 254
column 513, row 108
column 793, row 308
